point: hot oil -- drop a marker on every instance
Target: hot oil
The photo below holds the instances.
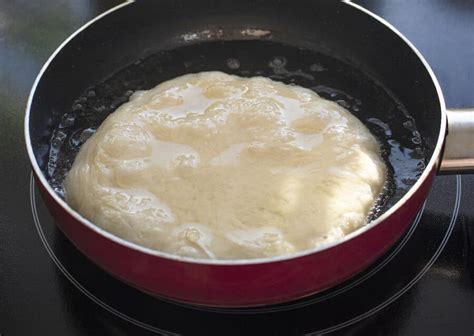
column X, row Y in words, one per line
column 401, row 144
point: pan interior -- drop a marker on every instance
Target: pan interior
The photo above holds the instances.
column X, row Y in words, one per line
column 403, row 148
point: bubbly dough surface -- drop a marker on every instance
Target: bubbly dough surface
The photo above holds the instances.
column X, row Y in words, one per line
column 211, row 165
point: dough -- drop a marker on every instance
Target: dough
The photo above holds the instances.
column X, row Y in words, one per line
column 211, row 165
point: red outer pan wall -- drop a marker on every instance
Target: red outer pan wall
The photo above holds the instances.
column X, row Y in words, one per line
column 241, row 284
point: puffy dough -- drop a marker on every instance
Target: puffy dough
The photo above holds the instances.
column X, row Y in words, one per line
column 211, row 165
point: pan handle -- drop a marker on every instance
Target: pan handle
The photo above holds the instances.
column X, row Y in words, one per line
column 458, row 154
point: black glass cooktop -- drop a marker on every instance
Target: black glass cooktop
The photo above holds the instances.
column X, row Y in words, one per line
column 423, row 285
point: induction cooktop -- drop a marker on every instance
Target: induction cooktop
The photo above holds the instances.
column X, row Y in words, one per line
column 423, row 285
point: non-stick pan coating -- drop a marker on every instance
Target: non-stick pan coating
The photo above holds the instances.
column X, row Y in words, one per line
column 311, row 48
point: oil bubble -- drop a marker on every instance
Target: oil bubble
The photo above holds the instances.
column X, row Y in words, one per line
column 317, row 67
column 343, row 103
column 66, row 121
column 77, row 107
column 277, row 62
column 233, row 63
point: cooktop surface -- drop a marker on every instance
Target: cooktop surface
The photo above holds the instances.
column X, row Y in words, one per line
column 423, row 285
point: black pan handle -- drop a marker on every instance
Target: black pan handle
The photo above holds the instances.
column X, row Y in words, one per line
column 459, row 147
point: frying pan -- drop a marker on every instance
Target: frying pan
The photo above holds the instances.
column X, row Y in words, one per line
column 137, row 45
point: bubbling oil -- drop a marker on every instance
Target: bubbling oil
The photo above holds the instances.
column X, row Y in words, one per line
column 401, row 144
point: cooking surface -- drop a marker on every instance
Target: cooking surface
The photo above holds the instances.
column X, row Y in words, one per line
column 425, row 284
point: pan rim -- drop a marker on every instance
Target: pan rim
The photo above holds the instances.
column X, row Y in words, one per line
column 434, row 160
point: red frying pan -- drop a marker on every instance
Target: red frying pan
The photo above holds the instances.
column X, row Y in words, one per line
column 338, row 49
